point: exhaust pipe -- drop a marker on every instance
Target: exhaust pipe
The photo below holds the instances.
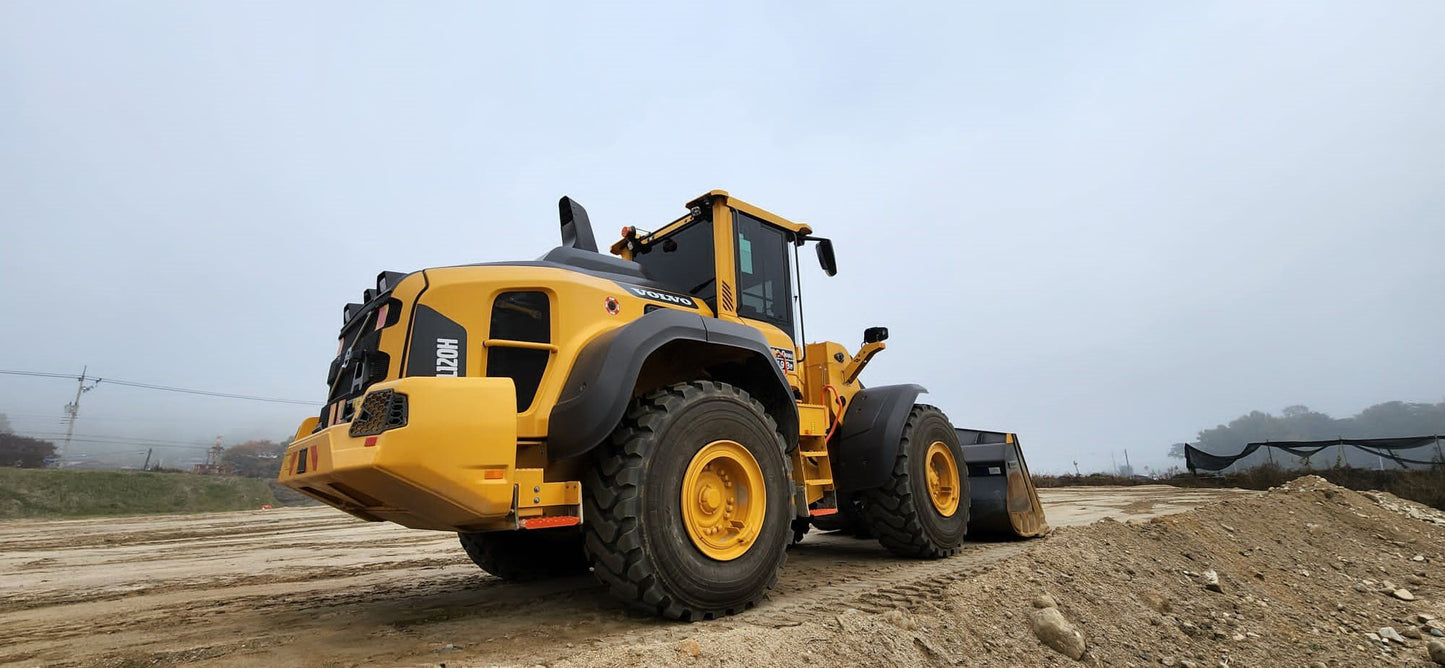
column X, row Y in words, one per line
column 576, row 227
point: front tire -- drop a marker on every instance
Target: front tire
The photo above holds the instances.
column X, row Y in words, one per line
column 922, row 511
column 689, row 505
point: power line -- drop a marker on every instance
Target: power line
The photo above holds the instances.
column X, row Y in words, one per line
column 144, row 444
column 163, row 388
column 46, row 434
column 132, row 442
column 60, row 419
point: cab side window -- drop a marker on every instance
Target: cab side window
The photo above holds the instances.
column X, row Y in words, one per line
column 764, row 291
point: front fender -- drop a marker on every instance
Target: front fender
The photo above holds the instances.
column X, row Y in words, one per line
column 868, row 438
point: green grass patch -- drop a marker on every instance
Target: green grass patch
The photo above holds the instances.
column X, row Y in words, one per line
column 48, row 493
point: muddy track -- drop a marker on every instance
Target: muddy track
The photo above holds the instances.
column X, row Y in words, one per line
column 315, row 587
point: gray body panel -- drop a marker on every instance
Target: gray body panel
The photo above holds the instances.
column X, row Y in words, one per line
column 868, row 439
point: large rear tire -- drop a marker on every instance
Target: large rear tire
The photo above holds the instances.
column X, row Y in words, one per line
column 922, row 511
column 689, row 505
column 527, row 554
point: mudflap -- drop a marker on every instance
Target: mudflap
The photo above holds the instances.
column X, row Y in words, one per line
column 1004, row 502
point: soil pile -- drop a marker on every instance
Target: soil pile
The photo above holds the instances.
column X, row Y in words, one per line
column 1307, row 574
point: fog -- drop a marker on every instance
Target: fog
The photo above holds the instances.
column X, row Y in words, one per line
column 1104, row 227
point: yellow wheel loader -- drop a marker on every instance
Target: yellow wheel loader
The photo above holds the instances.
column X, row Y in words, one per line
column 648, row 415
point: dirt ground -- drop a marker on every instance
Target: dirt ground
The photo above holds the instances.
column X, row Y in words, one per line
column 312, row 586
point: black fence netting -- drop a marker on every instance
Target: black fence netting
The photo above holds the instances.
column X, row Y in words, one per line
column 1407, row 452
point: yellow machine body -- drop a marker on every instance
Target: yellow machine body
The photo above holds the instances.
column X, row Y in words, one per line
column 472, row 453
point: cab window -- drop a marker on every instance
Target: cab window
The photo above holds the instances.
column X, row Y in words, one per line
column 764, row 291
column 683, row 262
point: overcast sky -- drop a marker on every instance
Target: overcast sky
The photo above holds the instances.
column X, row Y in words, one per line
column 1102, row 225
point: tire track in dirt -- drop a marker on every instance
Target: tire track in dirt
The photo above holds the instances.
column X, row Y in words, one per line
column 311, row 585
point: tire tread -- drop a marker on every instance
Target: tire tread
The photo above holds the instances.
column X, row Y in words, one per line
column 612, row 503
column 889, row 511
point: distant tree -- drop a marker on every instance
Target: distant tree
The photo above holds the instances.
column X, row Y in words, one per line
column 1177, row 451
column 1299, row 423
column 5, row 425
column 253, row 459
column 1397, row 418
column 25, row 453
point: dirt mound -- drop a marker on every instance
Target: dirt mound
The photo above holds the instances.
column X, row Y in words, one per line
column 1308, row 574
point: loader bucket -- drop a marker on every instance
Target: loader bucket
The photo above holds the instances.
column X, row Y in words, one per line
column 1004, row 503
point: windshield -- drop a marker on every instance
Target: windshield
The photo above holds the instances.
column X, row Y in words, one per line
column 683, row 262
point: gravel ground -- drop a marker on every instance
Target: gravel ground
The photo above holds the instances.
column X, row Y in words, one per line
column 312, row 586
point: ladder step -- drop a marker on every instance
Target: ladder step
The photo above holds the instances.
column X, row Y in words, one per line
column 819, row 481
column 814, row 453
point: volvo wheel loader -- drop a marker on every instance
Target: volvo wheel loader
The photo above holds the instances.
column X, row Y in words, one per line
column 649, row 415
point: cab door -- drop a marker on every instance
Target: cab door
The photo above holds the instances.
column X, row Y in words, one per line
column 763, row 276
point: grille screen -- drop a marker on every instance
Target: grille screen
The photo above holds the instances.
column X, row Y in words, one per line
column 380, row 411
column 523, row 365
column 524, row 317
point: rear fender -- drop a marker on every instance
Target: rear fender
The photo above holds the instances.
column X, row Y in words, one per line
column 868, row 438
column 601, row 382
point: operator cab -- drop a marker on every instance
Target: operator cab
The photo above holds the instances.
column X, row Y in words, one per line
column 731, row 255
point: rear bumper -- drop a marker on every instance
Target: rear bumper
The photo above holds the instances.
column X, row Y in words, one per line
column 451, row 467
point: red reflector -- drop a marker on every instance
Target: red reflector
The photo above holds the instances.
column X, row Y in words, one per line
column 494, row 474
column 823, row 512
column 381, row 316
column 549, row 522
column 314, row 457
column 370, row 441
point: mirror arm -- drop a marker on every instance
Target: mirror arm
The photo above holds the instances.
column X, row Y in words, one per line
column 855, row 365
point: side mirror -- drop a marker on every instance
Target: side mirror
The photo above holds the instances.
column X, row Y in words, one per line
column 875, row 335
column 826, row 258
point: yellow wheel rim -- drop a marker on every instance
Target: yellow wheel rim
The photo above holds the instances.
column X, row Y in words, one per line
column 723, row 500
column 943, row 481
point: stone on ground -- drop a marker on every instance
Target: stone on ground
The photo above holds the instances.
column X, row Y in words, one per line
column 1056, row 632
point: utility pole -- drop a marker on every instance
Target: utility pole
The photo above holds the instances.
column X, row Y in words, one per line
column 213, row 460
column 1076, row 468
column 72, row 411
column 1127, row 465
column 147, row 466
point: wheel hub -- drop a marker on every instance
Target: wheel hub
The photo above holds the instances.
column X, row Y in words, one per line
column 710, row 499
column 941, row 471
column 723, row 500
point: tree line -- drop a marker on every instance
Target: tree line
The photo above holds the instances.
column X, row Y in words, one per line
column 252, row 459
column 21, row 451
column 1300, row 423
